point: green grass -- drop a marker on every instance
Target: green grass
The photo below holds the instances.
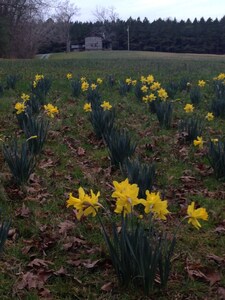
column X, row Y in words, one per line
column 180, row 171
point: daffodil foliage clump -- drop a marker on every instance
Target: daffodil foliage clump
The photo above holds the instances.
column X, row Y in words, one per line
column 141, row 250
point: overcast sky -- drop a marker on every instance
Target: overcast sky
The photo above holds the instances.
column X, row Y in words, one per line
column 179, row 9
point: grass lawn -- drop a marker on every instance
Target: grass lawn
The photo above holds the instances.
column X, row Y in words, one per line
column 49, row 254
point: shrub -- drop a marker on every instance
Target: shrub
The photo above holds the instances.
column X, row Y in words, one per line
column 120, row 146
column 11, row 81
column 190, row 128
column 216, row 157
column 142, row 174
column 36, row 129
column 218, row 107
column 76, row 87
column 138, row 92
column 164, row 112
column 4, row 229
column 195, row 95
column 41, row 89
column 102, row 121
column 20, row 161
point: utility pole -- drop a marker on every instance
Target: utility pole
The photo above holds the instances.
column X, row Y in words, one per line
column 128, row 38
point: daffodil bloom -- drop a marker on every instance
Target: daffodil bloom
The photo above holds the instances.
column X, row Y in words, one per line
column 85, row 204
column 69, row 76
column 209, row 116
column 87, row 107
column 155, row 86
column 145, row 98
column 189, row 108
column 215, row 141
column 106, row 105
column 153, row 204
column 150, row 79
column 201, row 83
column 128, row 81
column 51, row 110
column 84, row 86
column 25, row 97
column 162, row 94
column 99, row 81
column 198, row 142
column 38, row 77
column 144, row 88
column 126, row 195
column 151, row 97
column 221, row 76
column 134, row 82
column 195, row 214
column 20, row 107
column 83, row 79
column 34, row 84
column 93, row 86
column 143, row 80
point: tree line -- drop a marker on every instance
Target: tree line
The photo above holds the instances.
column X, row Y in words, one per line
column 197, row 36
column 24, row 32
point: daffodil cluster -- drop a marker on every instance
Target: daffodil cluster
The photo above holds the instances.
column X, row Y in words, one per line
column 51, row 110
column 38, row 77
column 126, row 195
column 21, row 106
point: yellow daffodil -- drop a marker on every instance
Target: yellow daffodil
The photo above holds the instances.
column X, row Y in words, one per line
column 198, row 142
column 134, row 82
column 145, row 98
column 20, row 107
column 99, row 81
column 221, row 76
column 151, row 97
column 25, row 97
column 38, row 77
column 155, row 86
column 126, row 195
column 34, row 84
column 150, row 79
column 154, row 204
column 106, row 105
column 87, row 107
column 162, row 94
column 85, row 204
column 144, row 88
column 201, row 83
column 195, row 214
column 143, row 80
column 93, row 86
column 51, row 110
column 84, row 86
column 128, row 81
column 215, row 141
column 209, row 116
column 189, row 108
column 83, row 79
column 69, row 76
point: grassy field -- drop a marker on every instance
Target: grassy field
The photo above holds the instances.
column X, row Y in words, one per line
column 51, row 255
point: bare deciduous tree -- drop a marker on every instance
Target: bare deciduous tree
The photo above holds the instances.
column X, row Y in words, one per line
column 65, row 12
column 104, row 14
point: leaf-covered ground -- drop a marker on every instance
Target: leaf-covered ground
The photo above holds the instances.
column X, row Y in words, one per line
column 49, row 254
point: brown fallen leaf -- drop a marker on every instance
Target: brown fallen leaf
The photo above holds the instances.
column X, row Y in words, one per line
column 80, row 151
column 24, row 212
column 213, row 277
column 107, row 287
column 221, row 293
column 91, row 264
column 65, row 226
column 37, row 262
column 217, row 259
column 61, row 271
